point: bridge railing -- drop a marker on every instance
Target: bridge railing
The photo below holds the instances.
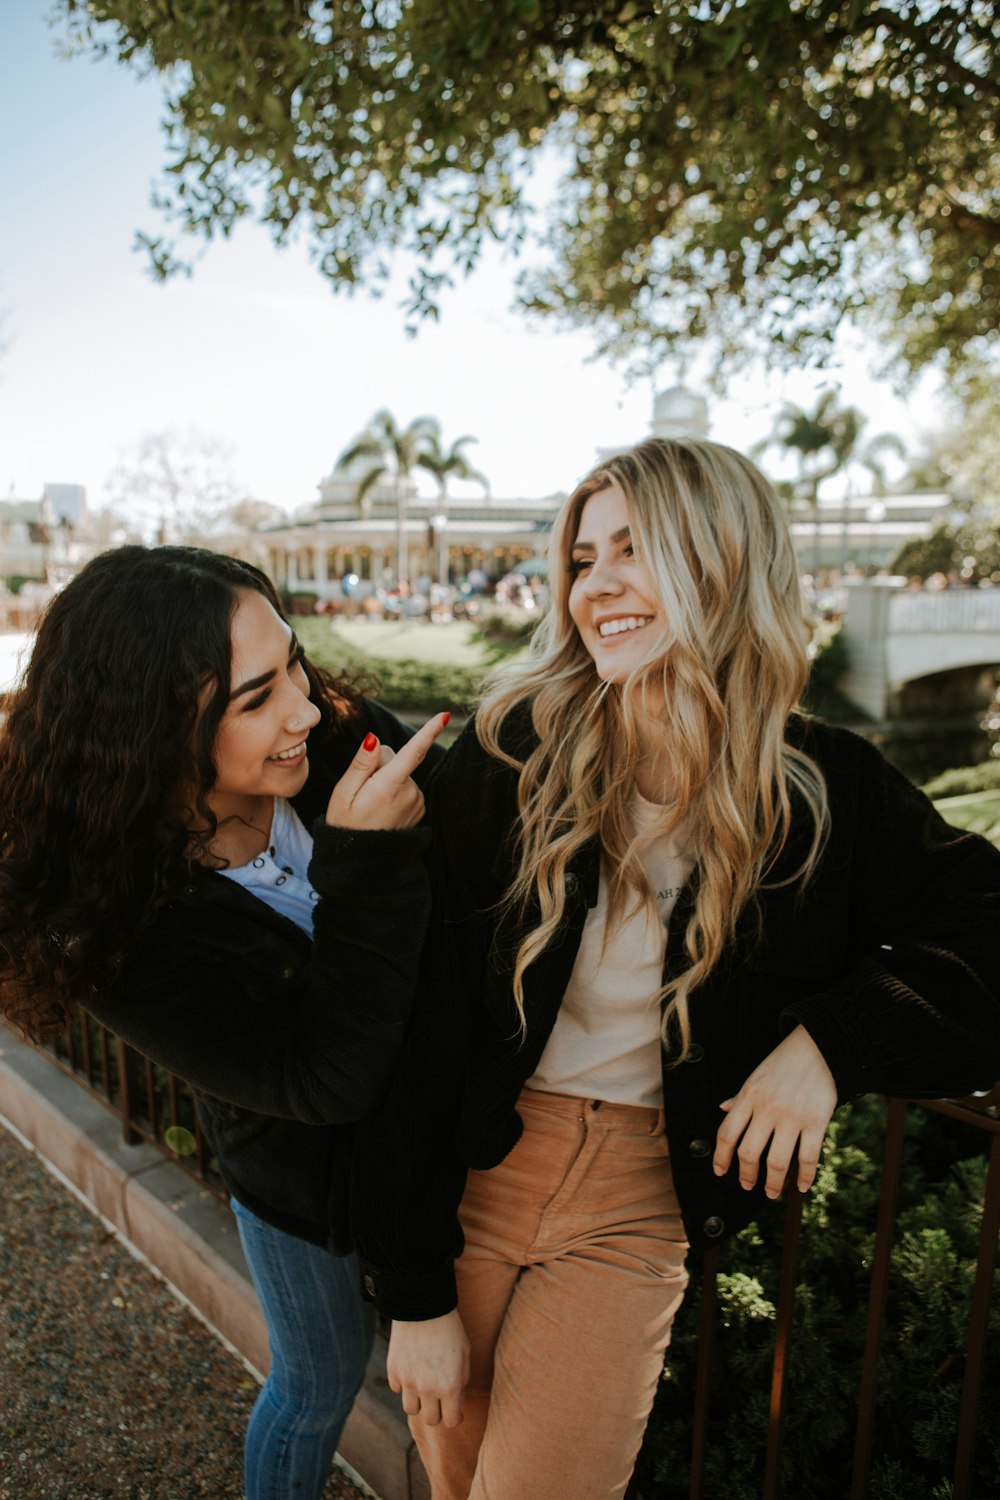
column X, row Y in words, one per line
column 958, row 609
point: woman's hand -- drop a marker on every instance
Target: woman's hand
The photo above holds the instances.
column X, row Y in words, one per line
column 376, row 791
column 429, row 1363
column 788, row 1100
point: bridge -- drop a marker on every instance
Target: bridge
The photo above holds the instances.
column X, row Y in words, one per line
column 896, row 636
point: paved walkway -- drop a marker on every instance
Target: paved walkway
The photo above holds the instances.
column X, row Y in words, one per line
column 109, row 1388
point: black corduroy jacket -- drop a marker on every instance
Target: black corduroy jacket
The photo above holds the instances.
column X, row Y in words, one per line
column 890, row 957
column 286, row 1041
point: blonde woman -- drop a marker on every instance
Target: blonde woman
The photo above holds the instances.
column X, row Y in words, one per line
column 679, row 921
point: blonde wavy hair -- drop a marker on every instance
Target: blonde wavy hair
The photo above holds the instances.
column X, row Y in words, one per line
column 729, row 662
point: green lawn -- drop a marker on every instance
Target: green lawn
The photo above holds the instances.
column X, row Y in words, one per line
column 977, row 811
column 453, row 645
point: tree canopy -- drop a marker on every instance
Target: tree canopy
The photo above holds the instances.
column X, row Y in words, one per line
column 750, row 170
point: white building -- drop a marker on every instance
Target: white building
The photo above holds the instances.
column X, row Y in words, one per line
column 335, row 537
column 865, row 531
column 36, row 536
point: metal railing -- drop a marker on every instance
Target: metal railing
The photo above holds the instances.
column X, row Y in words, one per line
column 982, row 1113
column 158, row 1108
column 152, row 1104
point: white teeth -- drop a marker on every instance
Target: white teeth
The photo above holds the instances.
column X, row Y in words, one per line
column 289, row 754
column 627, row 622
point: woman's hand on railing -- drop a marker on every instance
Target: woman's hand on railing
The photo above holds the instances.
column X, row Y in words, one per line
column 788, row 1100
column 376, row 790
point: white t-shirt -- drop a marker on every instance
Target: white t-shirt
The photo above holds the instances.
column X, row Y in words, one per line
column 606, row 1040
column 278, row 875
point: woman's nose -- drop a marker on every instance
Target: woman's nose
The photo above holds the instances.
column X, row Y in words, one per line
column 602, row 579
column 302, row 715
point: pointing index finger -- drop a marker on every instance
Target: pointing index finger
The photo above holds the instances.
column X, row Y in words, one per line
column 408, row 757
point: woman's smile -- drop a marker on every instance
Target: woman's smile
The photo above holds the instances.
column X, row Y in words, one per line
column 621, row 624
column 293, row 755
column 269, row 702
column 612, row 600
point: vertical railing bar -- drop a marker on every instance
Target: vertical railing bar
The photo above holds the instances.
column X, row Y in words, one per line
column 102, row 1032
column 979, row 1316
column 782, row 1339
column 171, row 1100
column 70, row 1049
column 892, row 1162
column 149, row 1078
column 200, row 1143
column 129, row 1134
column 703, row 1372
column 86, row 1059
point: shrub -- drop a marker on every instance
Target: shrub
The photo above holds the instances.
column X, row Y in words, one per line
column 964, row 779
column 420, row 686
column 301, row 603
column 922, row 1363
column 829, row 662
column 511, row 628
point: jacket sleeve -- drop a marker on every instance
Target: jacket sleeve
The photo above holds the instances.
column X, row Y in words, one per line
column 234, row 999
column 919, row 1015
column 408, row 1175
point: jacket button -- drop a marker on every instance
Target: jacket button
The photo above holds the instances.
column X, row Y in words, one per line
column 695, row 1052
column 713, row 1227
column 288, row 973
column 572, row 884
column 368, row 1285
column 700, row 1148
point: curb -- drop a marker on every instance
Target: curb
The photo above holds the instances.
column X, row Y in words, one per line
column 184, row 1234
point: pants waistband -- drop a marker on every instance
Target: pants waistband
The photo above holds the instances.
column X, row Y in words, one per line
column 637, row 1117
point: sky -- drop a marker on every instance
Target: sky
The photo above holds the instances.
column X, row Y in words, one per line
column 255, row 352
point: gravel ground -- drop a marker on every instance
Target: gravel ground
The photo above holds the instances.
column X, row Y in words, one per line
column 109, row 1388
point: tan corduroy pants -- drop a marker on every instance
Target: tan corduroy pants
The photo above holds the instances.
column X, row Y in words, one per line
column 571, row 1277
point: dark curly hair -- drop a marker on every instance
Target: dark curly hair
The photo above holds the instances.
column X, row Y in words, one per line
column 106, row 747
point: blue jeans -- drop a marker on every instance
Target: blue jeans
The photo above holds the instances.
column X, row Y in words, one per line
column 320, row 1333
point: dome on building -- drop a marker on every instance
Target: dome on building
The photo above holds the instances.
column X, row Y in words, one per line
column 678, row 412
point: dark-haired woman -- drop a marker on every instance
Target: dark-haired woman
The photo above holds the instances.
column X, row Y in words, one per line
column 212, row 846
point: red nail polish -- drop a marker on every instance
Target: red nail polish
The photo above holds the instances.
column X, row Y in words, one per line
column 369, row 742
column 447, row 719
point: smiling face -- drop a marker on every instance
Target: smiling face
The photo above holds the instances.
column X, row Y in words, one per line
column 260, row 747
column 612, row 600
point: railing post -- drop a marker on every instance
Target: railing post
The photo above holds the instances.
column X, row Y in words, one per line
column 782, row 1340
column 130, row 1136
column 703, row 1372
column 891, row 1165
column 979, row 1316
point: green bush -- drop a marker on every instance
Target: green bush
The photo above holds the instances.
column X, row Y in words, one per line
column 829, row 662
column 965, row 779
column 923, row 1355
column 420, row 686
column 510, row 628
column 302, row 603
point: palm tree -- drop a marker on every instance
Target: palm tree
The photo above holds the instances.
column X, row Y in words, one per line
column 394, row 450
column 825, row 441
column 452, row 464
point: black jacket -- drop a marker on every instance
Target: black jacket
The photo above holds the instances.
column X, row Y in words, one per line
column 890, row 957
column 287, row 1041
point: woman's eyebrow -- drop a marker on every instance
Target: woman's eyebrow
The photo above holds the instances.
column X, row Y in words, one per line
column 255, row 682
column 623, row 535
column 250, row 685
